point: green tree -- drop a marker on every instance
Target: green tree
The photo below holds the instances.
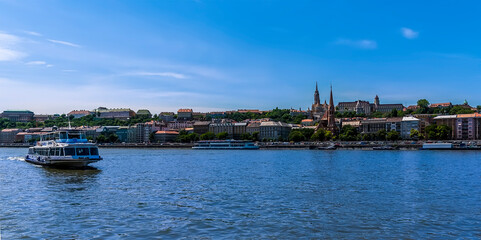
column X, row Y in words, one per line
column 255, row 136
column 296, row 136
column 207, row 136
column 112, row 138
column 392, row 135
column 307, row 132
column 381, row 135
column 320, row 135
column 246, row 136
column 348, row 133
column 377, row 115
column 423, row 103
column 328, row 135
column 394, row 113
column 414, row 134
column 152, row 137
column 460, row 110
column 193, row 137
column 101, row 138
column 438, row 132
column 444, row 132
column 222, row 135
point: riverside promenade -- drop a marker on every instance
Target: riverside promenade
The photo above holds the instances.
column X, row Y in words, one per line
column 347, row 145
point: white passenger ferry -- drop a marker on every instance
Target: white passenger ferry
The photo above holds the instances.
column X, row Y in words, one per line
column 67, row 148
column 225, row 144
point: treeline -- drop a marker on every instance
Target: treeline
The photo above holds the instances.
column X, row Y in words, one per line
column 423, row 108
column 63, row 121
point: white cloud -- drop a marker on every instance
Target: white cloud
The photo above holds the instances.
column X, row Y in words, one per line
column 43, row 63
column 36, row 63
column 64, row 43
column 409, row 33
column 33, row 33
column 69, row 70
column 363, row 44
column 162, row 74
column 8, row 51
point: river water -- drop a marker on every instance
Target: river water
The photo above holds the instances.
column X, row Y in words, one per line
column 280, row 194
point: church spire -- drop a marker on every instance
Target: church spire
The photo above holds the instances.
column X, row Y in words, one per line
column 331, row 121
column 317, row 100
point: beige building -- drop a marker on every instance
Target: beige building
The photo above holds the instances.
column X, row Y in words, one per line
column 184, row 114
column 274, row 130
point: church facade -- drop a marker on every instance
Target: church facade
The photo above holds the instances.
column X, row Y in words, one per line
column 318, row 109
column 364, row 107
column 324, row 113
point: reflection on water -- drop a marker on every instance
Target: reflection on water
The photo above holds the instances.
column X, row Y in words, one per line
column 70, row 180
column 145, row 194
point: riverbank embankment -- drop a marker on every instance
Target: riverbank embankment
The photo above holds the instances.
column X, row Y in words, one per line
column 344, row 145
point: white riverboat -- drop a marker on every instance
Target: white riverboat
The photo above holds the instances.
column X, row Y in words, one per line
column 69, row 149
column 225, row 144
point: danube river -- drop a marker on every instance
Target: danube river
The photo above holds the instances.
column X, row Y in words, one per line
column 140, row 194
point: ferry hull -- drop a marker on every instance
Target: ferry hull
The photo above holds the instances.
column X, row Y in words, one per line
column 62, row 163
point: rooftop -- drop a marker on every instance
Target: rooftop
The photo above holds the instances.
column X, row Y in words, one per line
column 445, row 117
column 410, row 118
column 167, row 132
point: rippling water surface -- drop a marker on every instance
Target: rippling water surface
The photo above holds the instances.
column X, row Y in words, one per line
column 136, row 194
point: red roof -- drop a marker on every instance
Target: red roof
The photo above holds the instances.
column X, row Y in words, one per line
column 79, row 112
column 184, row 110
column 167, row 132
column 441, row 104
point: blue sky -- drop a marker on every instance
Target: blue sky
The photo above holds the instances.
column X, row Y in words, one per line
column 56, row 56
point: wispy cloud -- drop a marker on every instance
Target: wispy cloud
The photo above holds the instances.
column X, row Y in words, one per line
column 161, row 74
column 64, row 43
column 69, row 70
column 363, row 44
column 409, row 33
column 32, row 33
column 42, row 63
column 8, row 45
column 36, row 63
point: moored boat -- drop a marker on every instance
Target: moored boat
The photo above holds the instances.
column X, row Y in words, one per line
column 68, row 149
column 225, row 144
column 330, row 147
column 437, row 146
column 385, row 147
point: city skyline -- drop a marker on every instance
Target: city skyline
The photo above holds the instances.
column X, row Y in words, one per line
column 211, row 56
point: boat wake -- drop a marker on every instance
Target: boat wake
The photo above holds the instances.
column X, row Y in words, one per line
column 16, row 159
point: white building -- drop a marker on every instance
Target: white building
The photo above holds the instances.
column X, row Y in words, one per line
column 407, row 124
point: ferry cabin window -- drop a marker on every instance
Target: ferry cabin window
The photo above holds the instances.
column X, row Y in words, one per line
column 69, row 151
column 42, row 151
column 31, row 151
column 94, row 151
column 82, row 151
